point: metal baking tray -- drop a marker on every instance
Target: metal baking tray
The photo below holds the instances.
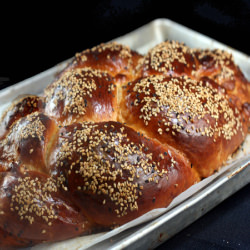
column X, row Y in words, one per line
column 200, row 198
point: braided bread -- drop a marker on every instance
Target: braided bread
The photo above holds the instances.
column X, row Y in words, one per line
column 115, row 135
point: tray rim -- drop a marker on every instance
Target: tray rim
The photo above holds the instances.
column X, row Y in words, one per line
column 190, row 202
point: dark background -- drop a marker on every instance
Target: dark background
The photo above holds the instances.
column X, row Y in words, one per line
column 37, row 36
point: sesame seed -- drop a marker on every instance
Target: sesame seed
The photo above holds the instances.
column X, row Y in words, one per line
column 162, row 57
column 173, row 98
column 74, row 89
column 99, row 173
column 27, row 193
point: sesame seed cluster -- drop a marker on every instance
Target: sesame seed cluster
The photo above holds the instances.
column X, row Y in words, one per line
column 71, row 96
column 109, row 163
column 29, row 127
column 220, row 60
column 175, row 99
column 25, row 105
column 31, row 198
column 217, row 57
column 124, row 52
column 25, row 143
column 77, row 86
column 165, row 55
column 168, row 57
column 33, row 128
column 105, row 56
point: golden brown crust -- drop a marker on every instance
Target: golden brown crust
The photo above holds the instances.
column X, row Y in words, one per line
column 83, row 94
column 114, row 136
column 116, row 174
column 34, row 210
column 219, row 65
column 193, row 117
column 172, row 58
column 114, row 58
column 169, row 58
column 19, row 108
column 27, row 143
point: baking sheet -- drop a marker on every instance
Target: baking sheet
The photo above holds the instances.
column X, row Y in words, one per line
column 145, row 231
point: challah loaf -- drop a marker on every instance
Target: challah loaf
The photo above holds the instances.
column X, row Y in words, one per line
column 115, row 135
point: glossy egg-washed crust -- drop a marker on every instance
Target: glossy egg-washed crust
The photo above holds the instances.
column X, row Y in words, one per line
column 115, row 135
